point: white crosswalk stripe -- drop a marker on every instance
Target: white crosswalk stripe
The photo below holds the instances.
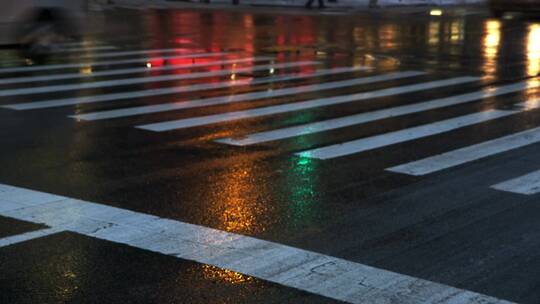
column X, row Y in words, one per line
column 528, row 184
column 28, row 236
column 228, row 64
column 138, row 52
column 145, row 69
column 52, row 67
column 176, row 90
column 379, row 141
column 135, row 80
column 86, row 48
column 361, row 118
column 297, row 106
column 243, row 97
column 468, row 154
column 76, row 44
column 335, row 278
column 404, row 135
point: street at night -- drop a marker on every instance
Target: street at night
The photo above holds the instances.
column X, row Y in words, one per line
column 183, row 154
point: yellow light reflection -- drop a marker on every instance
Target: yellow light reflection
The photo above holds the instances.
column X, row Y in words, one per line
column 533, row 50
column 436, row 12
column 434, row 32
column 238, row 205
column 228, row 276
column 86, row 70
column 456, row 31
column 492, row 41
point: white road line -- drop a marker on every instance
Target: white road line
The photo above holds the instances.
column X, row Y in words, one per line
column 81, row 43
column 242, row 97
column 51, row 67
column 528, row 184
column 135, row 80
column 171, row 67
column 137, row 52
column 87, row 48
column 176, row 90
column 361, row 118
column 297, row 106
column 32, row 235
column 404, row 135
column 468, row 154
column 308, row 271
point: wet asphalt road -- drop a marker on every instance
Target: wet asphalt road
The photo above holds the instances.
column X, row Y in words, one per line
column 448, row 227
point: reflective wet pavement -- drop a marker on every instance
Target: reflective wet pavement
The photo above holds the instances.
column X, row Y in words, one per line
column 61, row 133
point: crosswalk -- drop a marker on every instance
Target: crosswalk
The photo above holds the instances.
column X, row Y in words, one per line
column 265, row 87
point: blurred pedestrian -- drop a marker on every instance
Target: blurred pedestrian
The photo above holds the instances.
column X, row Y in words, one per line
column 310, row 2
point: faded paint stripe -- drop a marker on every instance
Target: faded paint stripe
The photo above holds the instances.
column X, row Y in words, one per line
column 292, row 267
column 12, row 240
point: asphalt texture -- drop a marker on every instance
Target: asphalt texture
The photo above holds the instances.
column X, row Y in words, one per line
column 448, row 227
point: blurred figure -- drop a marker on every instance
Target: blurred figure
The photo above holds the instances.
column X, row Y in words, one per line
column 310, row 2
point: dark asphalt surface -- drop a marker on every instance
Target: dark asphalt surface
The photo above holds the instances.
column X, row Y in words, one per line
column 447, row 227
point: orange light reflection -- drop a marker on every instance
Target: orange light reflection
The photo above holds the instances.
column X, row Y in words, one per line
column 492, row 41
column 533, row 50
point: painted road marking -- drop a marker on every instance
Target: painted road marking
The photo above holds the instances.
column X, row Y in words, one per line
column 361, row 118
column 51, row 67
column 292, row 267
column 137, row 80
column 137, row 52
column 468, row 154
column 242, row 97
column 81, row 43
column 297, row 106
column 86, row 48
column 168, row 67
column 528, row 184
column 383, row 140
column 176, row 90
column 12, row 240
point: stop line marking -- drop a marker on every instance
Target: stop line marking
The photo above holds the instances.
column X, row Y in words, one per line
column 291, row 267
